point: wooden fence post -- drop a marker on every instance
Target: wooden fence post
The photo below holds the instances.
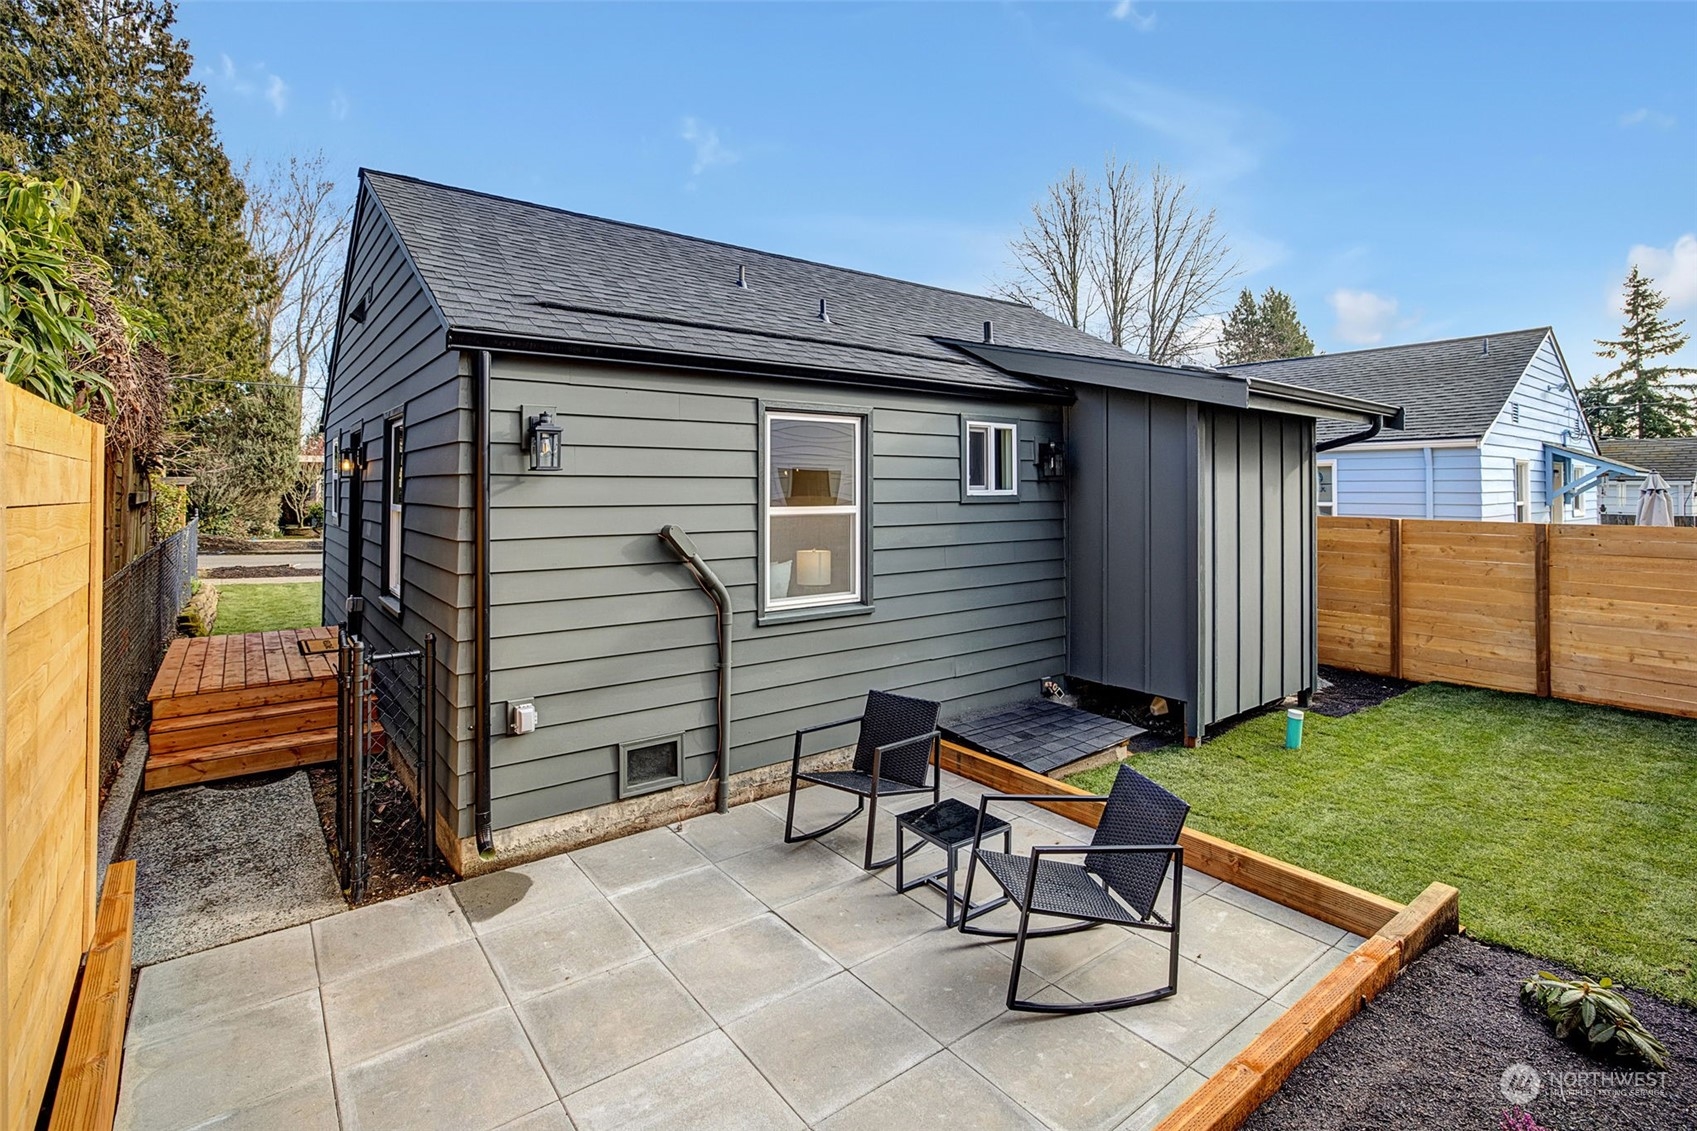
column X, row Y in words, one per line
column 1541, row 604
column 1396, row 597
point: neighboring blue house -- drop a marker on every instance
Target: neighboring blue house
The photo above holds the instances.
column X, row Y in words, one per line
column 1493, row 431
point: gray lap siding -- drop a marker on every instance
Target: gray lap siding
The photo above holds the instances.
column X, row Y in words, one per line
column 596, row 624
column 398, row 361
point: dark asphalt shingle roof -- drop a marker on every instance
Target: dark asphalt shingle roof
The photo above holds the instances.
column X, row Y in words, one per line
column 1676, row 459
column 1448, row 389
column 506, row 267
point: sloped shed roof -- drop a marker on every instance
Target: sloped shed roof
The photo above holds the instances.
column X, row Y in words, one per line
column 1449, row 389
column 501, row 268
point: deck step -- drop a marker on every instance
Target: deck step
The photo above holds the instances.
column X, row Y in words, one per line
column 244, row 698
column 234, row 759
column 189, row 732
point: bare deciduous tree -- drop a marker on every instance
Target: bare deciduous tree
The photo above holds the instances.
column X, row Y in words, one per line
column 299, row 222
column 1137, row 251
column 1053, row 252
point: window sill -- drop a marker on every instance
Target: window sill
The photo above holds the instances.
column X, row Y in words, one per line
column 821, row 612
column 989, row 497
column 390, row 602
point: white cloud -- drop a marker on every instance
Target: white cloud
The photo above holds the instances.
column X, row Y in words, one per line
column 339, row 106
column 1363, row 318
column 1672, row 269
column 277, row 93
column 1126, row 12
column 709, row 150
column 1644, row 116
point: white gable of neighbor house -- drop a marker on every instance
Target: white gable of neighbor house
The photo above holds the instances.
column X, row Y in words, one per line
column 1392, row 481
column 1548, row 413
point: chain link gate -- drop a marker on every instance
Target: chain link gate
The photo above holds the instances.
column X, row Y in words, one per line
column 385, row 769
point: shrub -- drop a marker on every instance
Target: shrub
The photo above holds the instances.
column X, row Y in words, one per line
column 1596, row 1011
column 170, row 506
column 315, row 516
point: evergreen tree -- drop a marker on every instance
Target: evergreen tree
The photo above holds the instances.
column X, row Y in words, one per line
column 1638, row 397
column 99, row 91
column 1263, row 330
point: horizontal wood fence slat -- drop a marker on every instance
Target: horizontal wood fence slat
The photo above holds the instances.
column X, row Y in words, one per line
column 1596, row 614
column 50, row 590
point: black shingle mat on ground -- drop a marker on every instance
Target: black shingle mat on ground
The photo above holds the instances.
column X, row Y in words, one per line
column 1040, row 734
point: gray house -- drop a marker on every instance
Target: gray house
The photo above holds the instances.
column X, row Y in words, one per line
column 900, row 487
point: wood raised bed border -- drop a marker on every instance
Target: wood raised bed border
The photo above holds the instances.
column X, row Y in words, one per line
column 87, row 1098
column 1395, row 935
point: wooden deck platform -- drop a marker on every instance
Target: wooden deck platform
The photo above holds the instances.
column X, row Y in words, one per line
column 224, row 706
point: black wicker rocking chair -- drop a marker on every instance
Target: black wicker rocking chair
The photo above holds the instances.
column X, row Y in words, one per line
column 1124, row 866
column 895, row 754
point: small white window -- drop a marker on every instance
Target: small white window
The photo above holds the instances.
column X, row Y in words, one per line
column 992, row 459
column 394, row 484
column 332, row 486
column 814, row 514
column 1522, row 490
column 1326, row 486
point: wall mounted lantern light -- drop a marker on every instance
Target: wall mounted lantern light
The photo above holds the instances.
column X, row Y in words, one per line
column 347, row 461
column 1051, row 461
column 542, row 441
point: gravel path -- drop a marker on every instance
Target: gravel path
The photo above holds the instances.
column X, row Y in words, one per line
column 1432, row 1050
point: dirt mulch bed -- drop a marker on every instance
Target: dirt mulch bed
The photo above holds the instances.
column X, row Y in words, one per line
column 1431, row 1052
column 227, row 573
column 393, row 867
column 220, row 544
column 1348, row 693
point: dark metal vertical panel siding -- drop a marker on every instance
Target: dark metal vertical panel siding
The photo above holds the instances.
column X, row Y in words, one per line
column 1226, row 642
column 1170, row 551
column 1087, row 524
column 1273, row 577
column 1129, row 631
column 1293, row 528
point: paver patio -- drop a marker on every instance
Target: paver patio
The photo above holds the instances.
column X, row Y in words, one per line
column 703, row 975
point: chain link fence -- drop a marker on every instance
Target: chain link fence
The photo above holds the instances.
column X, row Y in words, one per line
column 138, row 620
column 385, row 772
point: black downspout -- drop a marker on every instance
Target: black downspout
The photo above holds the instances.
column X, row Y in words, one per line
column 480, row 592
column 1328, row 445
column 681, row 544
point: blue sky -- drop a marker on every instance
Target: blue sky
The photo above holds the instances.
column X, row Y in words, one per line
column 1404, row 171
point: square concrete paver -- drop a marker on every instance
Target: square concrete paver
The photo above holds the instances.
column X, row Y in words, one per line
column 856, row 920
column 473, row 1077
column 589, row 1030
column 536, row 954
column 943, row 1091
column 1206, row 1007
column 228, row 1065
column 1246, row 948
column 371, row 1013
column 783, row 873
column 376, row 935
column 497, row 900
column 1078, row 1072
column 640, row 859
column 190, row 992
column 830, row 1044
column 704, row 976
column 705, row 1083
column 739, row 969
column 685, row 906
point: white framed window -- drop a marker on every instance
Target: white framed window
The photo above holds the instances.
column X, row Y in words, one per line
column 332, row 486
column 394, row 493
column 1326, row 486
column 992, row 458
column 1523, row 490
column 814, row 509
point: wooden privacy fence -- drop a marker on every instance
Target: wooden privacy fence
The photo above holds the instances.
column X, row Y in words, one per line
column 1597, row 614
column 50, row 563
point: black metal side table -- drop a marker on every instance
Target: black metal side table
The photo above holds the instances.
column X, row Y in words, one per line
column 950, row 825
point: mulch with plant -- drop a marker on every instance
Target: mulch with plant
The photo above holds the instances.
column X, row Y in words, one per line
column 1449, row 1044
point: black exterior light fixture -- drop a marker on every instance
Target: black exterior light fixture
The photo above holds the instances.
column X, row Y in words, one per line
column 347, row 461
column 542, row 441
column 1051, row 461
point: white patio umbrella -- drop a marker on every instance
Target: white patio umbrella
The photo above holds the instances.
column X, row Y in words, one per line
column 1654, row 506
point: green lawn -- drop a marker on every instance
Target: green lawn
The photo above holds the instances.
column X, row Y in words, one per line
column 261, row 608
column 1570, row 830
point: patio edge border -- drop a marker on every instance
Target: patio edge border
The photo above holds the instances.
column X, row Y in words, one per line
column 1396, row 933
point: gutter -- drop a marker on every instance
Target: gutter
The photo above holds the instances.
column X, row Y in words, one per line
column 480, row 596
column 1354, row 438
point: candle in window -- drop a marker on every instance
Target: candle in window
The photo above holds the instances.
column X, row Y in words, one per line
column 813, row 567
